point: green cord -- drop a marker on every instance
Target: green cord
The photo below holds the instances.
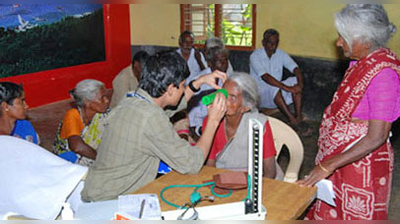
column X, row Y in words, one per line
column 197, row 186
column 195, row 194
column 220, row 195
column 248, row 187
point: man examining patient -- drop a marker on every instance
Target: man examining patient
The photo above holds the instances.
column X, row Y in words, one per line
column 139, row 134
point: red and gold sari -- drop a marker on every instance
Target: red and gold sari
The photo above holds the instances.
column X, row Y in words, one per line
column 362, row 188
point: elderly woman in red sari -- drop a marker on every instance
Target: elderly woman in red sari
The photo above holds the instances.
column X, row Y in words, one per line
column 354, row 148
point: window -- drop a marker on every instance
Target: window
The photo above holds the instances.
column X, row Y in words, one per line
column 233, row 23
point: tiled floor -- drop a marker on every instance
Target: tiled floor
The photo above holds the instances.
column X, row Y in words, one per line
column 46, row 119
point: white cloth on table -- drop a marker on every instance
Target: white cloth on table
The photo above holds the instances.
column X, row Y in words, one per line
column 34, row 182
column 260, row 64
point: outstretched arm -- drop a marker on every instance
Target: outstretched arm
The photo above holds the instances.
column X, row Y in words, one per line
column 205, row 79
column 378, row 134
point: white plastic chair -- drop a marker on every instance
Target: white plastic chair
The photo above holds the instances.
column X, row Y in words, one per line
column 283, row 134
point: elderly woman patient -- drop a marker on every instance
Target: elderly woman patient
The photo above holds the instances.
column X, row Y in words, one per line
column 354, row 149
column 230, row 146
column 80, row 131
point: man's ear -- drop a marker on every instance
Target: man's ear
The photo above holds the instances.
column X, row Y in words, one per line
column 135, row 65
column 170, row 89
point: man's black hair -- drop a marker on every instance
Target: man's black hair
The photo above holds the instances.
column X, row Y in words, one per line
column 184, row 34
column 161, row 70
column 140, row 57
column 270, row 32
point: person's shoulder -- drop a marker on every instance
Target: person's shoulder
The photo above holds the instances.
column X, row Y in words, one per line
column 71, row 113
column 280, row 52
column 133, row 106
column 204, row 72
column 124, row 72
column 23, row 123
column 257, row 53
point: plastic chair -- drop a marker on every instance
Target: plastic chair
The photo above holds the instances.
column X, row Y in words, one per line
column 283, row 134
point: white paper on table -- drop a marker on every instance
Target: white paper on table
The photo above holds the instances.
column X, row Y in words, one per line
column 325, row 192
column 131, row 204
column 102, row 210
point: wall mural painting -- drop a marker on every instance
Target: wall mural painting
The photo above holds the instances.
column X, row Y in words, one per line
column 38, row 37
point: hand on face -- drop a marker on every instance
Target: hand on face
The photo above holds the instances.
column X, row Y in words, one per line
column 217, row 109
column 210, row 79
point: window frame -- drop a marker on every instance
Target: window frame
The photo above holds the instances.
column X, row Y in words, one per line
column 217, row 26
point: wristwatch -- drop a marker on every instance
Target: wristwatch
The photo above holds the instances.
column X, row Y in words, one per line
column 192, row 87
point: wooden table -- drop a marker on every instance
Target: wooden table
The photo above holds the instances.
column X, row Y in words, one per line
column 283, row 201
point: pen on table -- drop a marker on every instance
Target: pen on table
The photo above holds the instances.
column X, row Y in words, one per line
column 142, row 208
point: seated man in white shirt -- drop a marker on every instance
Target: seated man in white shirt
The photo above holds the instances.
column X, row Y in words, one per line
column 128, row 79
column 266, row 66
column 194, row 58
column 217, row 59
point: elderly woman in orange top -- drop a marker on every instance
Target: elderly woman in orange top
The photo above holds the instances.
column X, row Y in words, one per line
column 354, row 147
column 80, row 131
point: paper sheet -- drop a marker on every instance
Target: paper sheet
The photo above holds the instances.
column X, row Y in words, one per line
column 325, row 192
column 131, row 204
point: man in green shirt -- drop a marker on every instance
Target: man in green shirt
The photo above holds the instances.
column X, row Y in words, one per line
column 139, row 134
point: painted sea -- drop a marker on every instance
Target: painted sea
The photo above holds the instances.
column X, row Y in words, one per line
column 39, row 37
column 40, row 14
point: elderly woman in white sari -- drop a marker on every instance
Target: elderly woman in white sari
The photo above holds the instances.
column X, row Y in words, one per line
column 229, row 149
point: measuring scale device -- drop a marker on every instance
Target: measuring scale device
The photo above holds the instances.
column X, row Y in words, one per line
column 249, row 209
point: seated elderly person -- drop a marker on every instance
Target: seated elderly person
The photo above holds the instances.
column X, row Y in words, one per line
column 229, row 149
column 216, row 42
column 217, row 59
column 13, row 106
column 80, row 131
column 194, row 58
column 128, row 79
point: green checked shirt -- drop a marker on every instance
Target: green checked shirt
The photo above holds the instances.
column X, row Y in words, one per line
column 138, row 134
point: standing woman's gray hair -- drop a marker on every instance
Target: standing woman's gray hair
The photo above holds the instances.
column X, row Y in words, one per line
column 364, row 22
column 249, row 88
column 86, row 90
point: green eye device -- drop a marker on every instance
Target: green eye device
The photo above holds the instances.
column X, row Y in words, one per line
column 209, row 99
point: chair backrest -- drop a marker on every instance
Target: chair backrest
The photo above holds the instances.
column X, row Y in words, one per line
column 283, row 134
